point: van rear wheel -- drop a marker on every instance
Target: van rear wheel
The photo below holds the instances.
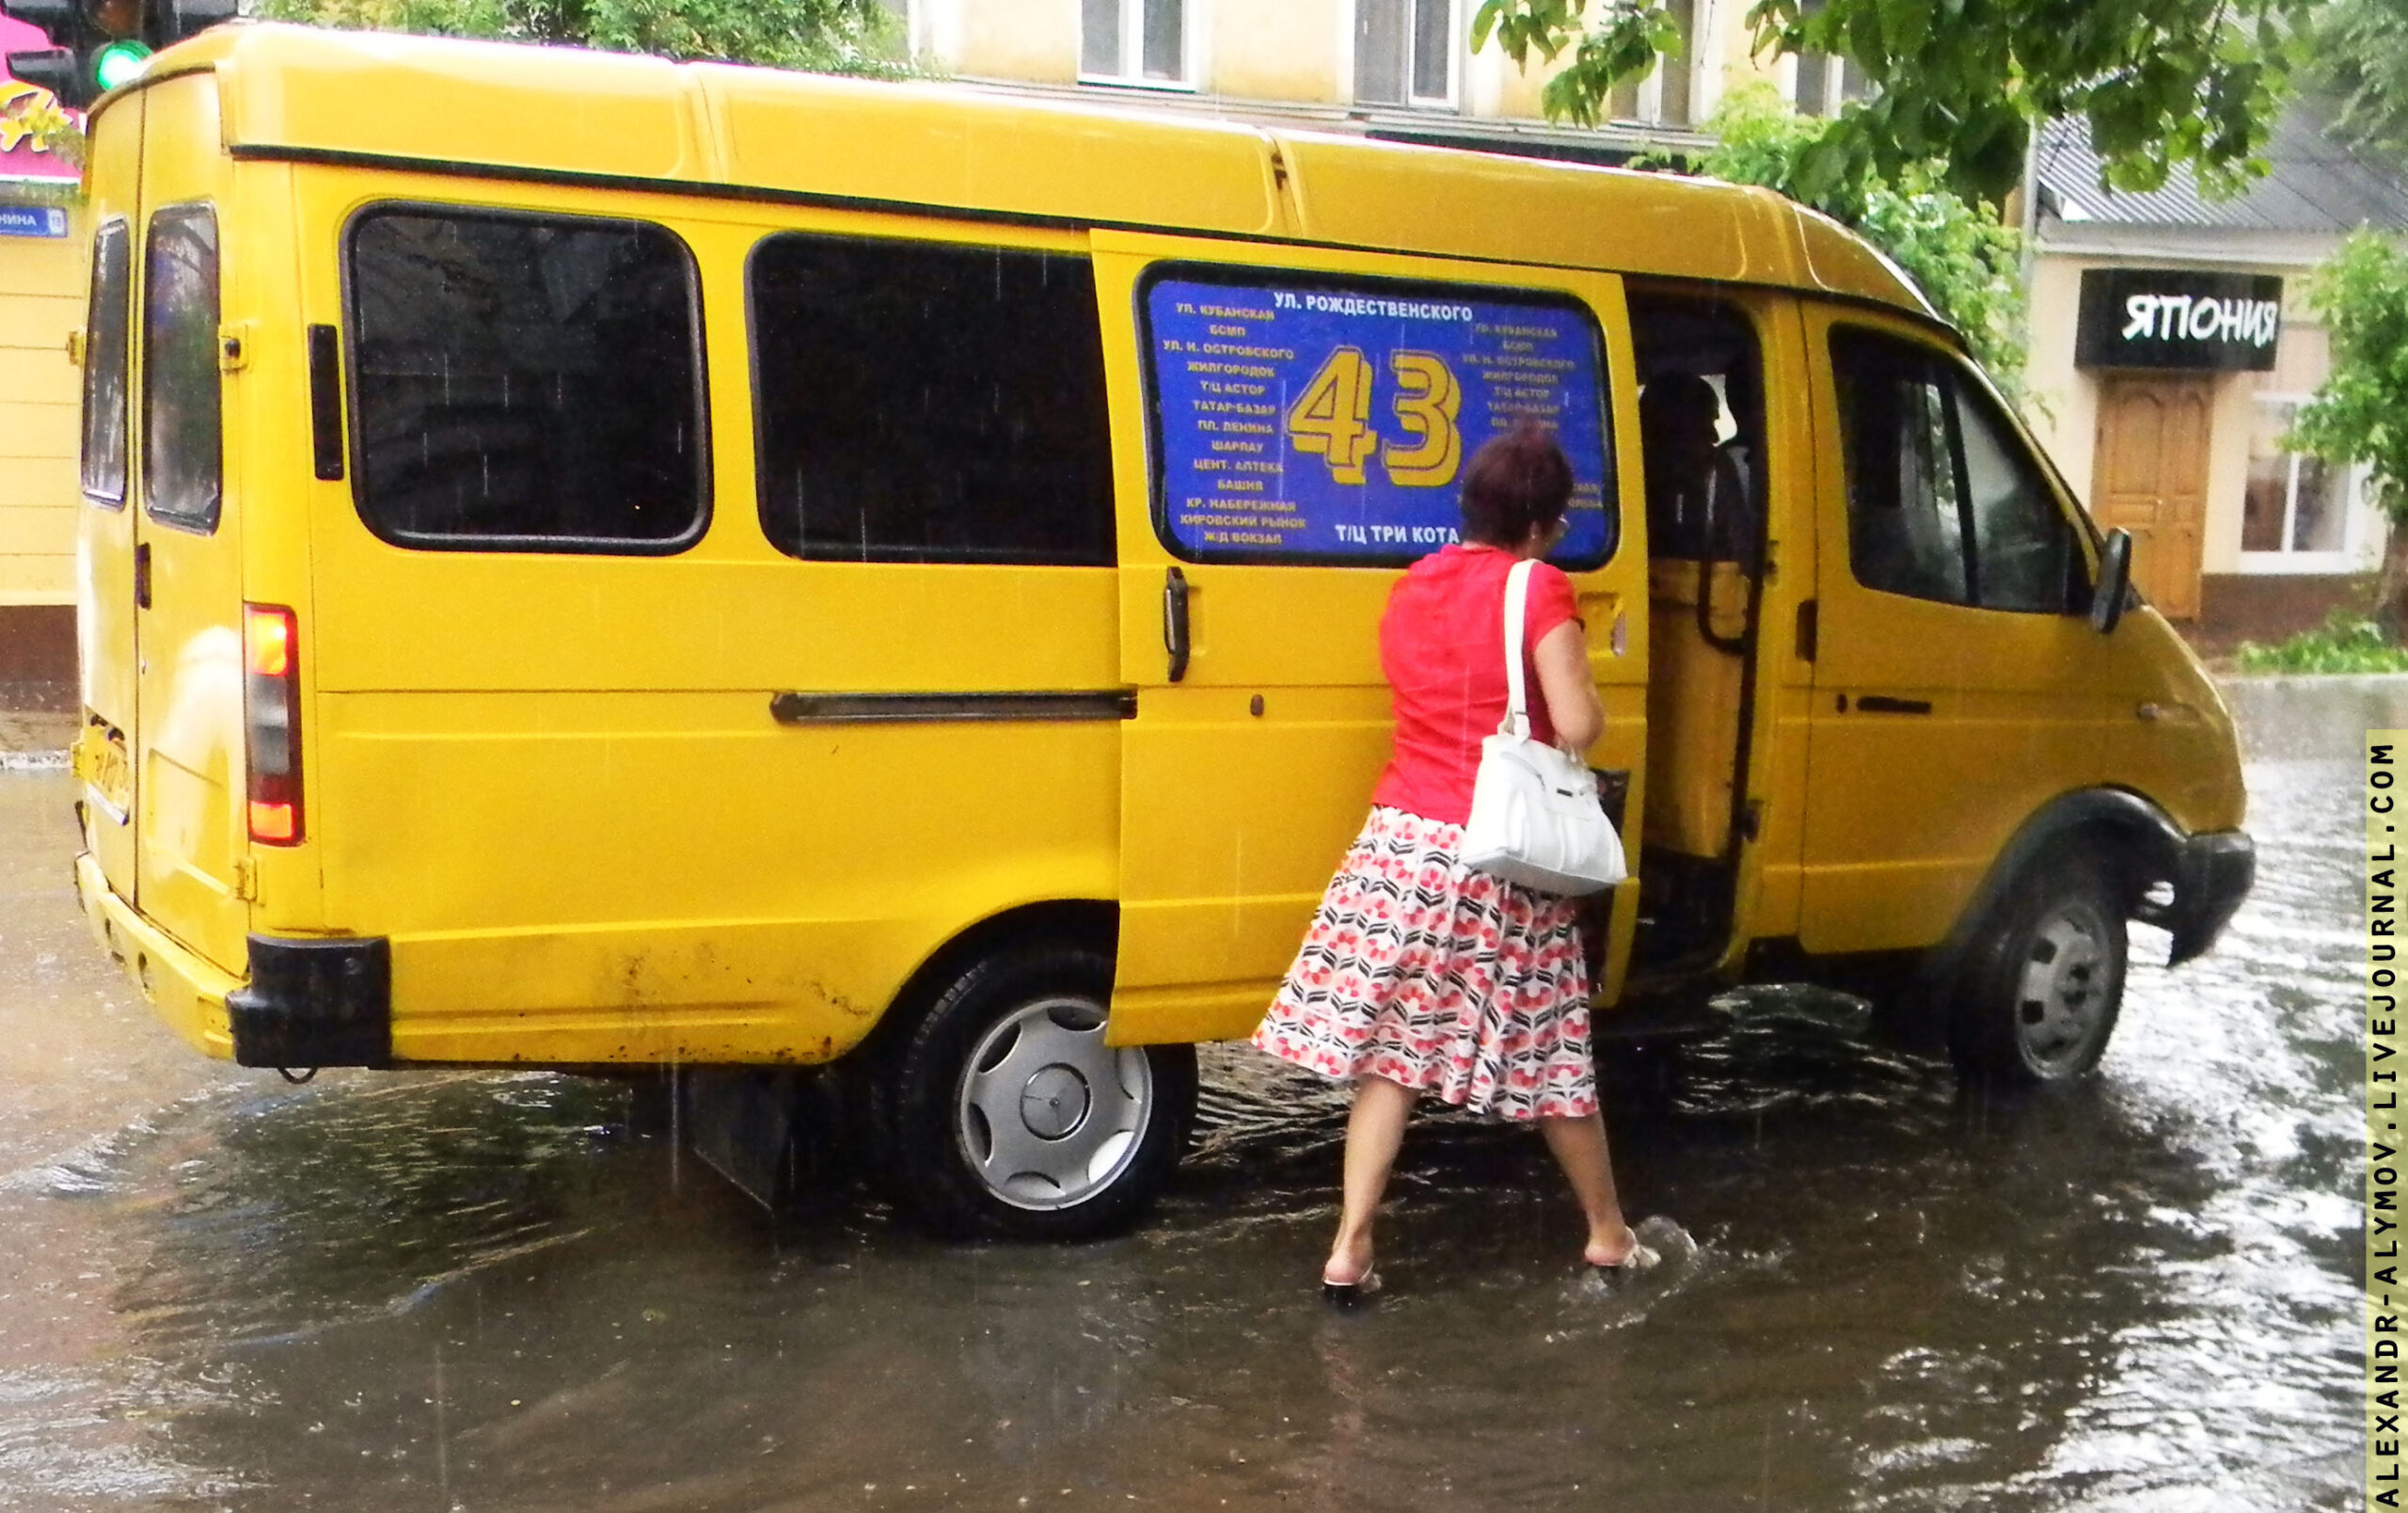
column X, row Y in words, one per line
column 2041, row 988
column 1008, row 1115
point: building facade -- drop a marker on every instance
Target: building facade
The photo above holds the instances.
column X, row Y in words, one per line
column 41, row 284
column 1402, row 69
column 2172, row 343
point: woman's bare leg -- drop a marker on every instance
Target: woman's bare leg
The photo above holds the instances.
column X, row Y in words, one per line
column 1579, row 1147
column 1373, row 1131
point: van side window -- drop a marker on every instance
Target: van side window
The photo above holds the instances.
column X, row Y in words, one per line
column 183, row 449
column 2023, row 542
column 105, row 364
column 526, row 383
column 1312, row 419
column 926, row 402
column 1942, row 501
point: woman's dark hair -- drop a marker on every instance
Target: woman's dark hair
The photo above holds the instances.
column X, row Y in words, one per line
column 1515, row 481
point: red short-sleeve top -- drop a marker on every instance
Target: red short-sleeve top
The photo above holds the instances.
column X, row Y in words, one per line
column 1442, row 645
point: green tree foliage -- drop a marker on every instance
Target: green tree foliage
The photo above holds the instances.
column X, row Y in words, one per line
column 825, row 35
column 2163, row 82
column 2360, row 52
column 2359, row 414
column 1967, row 264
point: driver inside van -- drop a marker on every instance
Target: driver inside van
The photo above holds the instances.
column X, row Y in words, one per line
column 1697, row 502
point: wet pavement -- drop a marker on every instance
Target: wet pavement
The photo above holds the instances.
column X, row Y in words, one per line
column 438, row 1291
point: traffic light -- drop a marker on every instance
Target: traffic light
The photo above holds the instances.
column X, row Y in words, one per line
column 96, row 45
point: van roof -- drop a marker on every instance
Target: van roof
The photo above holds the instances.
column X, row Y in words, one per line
column 512, row 110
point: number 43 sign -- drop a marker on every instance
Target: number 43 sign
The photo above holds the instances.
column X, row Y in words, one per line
column 1333, row 418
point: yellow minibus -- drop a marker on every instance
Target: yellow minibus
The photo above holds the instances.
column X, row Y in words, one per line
column 597, row 564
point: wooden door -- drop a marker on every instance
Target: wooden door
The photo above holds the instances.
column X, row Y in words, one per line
column 2153, row 482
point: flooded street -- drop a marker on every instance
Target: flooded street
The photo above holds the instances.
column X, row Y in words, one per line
column 487, row 1291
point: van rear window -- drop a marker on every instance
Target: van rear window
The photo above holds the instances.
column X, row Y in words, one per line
column 925, row 401
column 525, row 383
column 183, row 450
column 1303, row 420
column 104, row 348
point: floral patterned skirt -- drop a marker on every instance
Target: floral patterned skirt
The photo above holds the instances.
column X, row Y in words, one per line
column 1451, row 982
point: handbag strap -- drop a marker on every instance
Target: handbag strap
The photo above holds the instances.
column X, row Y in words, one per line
column 1517, row 598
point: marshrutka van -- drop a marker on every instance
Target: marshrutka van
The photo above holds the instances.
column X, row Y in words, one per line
column 597, row 564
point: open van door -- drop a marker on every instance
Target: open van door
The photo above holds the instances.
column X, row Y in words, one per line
column 1305, row 417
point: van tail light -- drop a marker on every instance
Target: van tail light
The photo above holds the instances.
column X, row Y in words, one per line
column 272, row 722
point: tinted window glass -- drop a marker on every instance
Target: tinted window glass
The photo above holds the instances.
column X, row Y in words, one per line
column 523, row 383
column 1906, row 527
column 1943, row 502
column 104, row 351
column 180, row 455
column 925, row 403
column 2024, row 544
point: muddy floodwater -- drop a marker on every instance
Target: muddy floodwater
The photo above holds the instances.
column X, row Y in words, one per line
column 439, row 1291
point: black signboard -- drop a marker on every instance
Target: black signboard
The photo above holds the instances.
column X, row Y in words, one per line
column 2172, row 318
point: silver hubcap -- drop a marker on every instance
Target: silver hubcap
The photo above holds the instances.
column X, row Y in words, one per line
column 1047, row 1114
column 2061, row 997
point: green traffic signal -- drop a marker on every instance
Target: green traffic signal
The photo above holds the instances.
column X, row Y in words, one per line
column 120, row 62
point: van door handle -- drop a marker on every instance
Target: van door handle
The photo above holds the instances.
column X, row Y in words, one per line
column 1175, row 590
column 1883, row 703
column 142, row 576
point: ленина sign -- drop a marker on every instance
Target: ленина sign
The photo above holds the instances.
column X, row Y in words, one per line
column 2172, row 318
column 32, row 220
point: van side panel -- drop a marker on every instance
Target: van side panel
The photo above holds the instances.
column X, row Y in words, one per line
column 553, row 779
column 268, row 414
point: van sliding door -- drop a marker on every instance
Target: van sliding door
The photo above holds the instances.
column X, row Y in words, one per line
column 1287, row 435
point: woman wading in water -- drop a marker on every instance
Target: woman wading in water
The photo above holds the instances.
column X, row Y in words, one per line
column 1419, row 974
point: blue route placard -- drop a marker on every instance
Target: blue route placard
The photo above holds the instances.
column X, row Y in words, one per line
column 32, row 220
column 1334, row 422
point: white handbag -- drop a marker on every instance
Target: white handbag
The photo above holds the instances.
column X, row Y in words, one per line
column 1535, row 819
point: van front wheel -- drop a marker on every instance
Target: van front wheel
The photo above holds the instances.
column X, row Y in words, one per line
column 1011, row 1116
column 2041, row 988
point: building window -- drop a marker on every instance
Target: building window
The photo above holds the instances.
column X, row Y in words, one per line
column 1133, row 41
column 912, row 20
column 1668, row 96
column 2295, row 506
column 1404, row 52
column 1823, row 82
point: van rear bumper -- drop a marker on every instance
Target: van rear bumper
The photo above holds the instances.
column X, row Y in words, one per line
column 2213, row 874
column 187, row 992
column 309, row 1003
column 316, row 1002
